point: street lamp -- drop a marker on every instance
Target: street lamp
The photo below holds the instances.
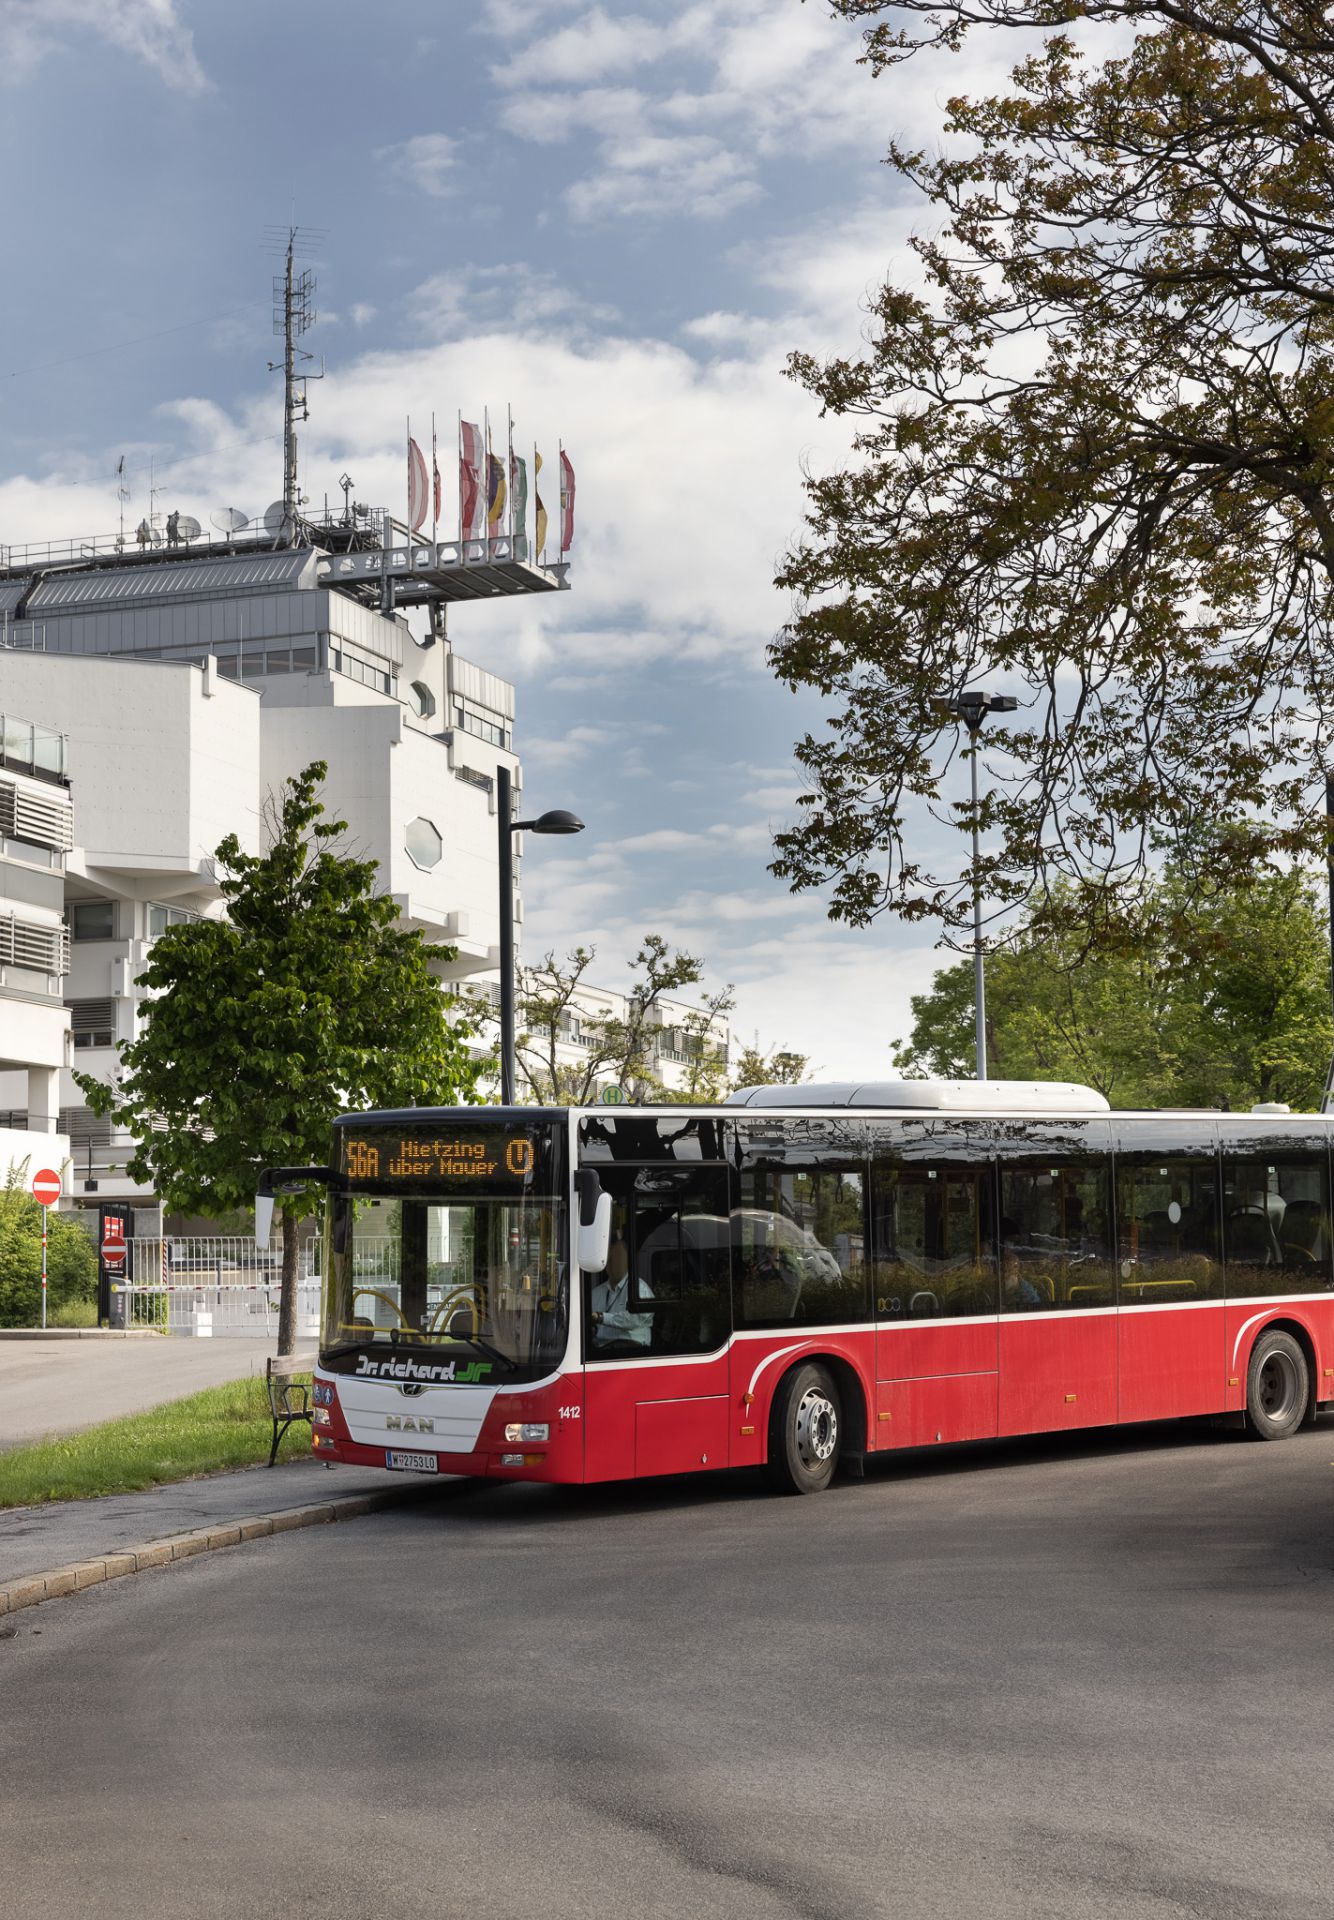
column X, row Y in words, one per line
column 558, row 821
column 972, row 708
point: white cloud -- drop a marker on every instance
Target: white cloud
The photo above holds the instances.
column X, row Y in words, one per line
column 427, row 161
column 718, row 88
column 362, row 314
column 148, row 29
column 473, row 299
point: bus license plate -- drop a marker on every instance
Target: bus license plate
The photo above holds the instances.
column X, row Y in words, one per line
column 412, row 1462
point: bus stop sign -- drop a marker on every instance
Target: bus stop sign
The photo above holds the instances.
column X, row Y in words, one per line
column 46, row 1187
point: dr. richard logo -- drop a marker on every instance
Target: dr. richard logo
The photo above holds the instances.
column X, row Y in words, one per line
column 372, row 1366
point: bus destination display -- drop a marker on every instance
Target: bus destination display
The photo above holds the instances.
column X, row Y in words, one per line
column 495, row 1158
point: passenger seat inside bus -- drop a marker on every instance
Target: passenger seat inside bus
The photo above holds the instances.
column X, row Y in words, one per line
column 1251, row 1239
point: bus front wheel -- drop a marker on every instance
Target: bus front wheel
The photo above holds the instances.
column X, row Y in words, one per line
column 805, row 1431
column 1277, row 1386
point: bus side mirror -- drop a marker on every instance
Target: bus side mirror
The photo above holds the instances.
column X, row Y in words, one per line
column 592, row 1241
column 594, row 1237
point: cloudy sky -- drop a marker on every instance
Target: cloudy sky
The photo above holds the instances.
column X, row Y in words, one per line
column 618, row 219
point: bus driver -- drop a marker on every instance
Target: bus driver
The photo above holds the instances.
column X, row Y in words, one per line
column 609, row 1300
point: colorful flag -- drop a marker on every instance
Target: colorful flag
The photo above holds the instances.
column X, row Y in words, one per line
column 519, row 505
column 539, row 512
column 495, row 498
column 419, row 496
column 566, row 502
column 435, row 483
column 472, row 518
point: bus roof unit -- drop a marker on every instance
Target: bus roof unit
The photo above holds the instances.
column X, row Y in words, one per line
column 974, row 1096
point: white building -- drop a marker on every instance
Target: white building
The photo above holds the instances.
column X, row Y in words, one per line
column 36, row 833
column 189, row 686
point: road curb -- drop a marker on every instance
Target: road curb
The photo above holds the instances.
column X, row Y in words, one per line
column 33, row 1588
column 80, row 1333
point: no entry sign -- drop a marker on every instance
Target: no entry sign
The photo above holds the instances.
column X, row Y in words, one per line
column 46, row 1187
column 113, row 1242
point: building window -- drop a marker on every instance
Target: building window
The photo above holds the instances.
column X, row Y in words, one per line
column 160, row 918
column 353, row 668
column 472, row 720
column 421, row 699
column 424, row 844
column 92, row 1022
column 93, row 920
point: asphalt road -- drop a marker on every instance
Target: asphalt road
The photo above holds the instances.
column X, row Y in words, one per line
column 62, row 1386
column 1070, row 1678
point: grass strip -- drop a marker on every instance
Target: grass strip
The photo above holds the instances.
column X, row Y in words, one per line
column 207, row 1432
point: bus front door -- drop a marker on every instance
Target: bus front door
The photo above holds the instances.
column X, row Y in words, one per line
column 657, row 1325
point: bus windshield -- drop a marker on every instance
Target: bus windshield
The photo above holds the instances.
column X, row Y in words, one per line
column 464, row 1286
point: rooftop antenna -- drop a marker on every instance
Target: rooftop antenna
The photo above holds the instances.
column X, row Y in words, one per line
column 293, row 315
column 122, row 494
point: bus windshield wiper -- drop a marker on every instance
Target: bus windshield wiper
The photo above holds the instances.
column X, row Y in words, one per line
column 483, row 1346
column 343, row 1346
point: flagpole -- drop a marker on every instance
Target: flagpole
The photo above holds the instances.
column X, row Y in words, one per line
column 509, row 471
column 435, row 468
column 407, row 421
column 560, row 493
column 486, row 479
column 462, row 555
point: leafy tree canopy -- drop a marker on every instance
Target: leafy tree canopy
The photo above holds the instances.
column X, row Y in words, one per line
column 616, row 1049
column 778, row 1068
column 1240, row 1013
column 306, row 1000
column 1095, row 468
column 71, row 1263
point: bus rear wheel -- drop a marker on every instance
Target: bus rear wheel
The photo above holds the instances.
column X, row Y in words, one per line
column 805, row 1431
column 1277, row 1386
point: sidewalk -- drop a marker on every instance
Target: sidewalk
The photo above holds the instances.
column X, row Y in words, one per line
column 34, row 1540
column 50, row 1387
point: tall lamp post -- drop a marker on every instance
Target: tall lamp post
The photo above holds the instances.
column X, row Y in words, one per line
column 972, row 708
column 555, row 822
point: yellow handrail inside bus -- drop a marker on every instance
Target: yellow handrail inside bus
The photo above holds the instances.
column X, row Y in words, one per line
column 460, row 1296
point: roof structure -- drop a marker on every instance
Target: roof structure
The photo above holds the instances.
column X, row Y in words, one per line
column 256, row 572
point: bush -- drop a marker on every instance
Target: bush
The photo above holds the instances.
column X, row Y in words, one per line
column 71, row 1261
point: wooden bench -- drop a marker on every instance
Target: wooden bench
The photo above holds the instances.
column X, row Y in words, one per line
column 289, row 1398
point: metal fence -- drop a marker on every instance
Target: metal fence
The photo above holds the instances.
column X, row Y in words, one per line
column 223, row 1284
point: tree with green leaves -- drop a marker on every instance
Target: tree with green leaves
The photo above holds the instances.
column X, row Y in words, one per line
column 1238, row 1013
column 306, row 1000
column 1094, row 468
column 780, row 1067
column 71, row 1263
column 614, row 1049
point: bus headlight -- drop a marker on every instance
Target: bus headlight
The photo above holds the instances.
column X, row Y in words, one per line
column 528, row 1431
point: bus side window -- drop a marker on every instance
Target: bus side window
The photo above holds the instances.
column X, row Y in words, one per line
column 1056, row 1240
column 1167, row 1215
column 675, row 1294
column 1276, row 1224
column 932, row 1241
column 799, row 1241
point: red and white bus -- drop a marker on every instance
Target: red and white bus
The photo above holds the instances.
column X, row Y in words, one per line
column 807, row 1275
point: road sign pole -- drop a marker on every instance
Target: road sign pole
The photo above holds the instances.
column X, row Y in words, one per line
column 46, row 1185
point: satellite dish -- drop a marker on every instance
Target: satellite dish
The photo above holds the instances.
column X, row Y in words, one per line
column 187, row 526
column 278, row 521
column 229, row 519
column 147, row 535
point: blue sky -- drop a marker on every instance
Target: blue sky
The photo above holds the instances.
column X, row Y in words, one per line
column 619, row 219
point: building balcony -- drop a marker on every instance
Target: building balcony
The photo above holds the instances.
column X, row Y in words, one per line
column 40, row 752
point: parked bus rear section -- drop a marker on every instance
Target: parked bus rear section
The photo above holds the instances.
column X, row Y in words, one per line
column 812, row 1274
